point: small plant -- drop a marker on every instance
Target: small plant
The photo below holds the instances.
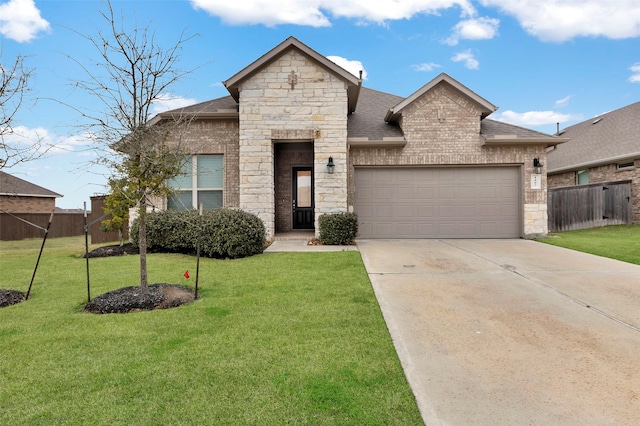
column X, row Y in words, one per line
column 227, row 233
column 338, row 228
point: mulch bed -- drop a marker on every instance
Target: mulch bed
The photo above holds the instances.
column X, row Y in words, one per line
column 123, row 300
column 116, row 250
column 134, row 299
column 10, row 297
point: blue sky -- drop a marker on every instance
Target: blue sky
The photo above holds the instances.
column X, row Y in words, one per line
column 540, row 61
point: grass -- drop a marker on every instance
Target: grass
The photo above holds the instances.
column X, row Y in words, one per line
column 621, row 242
column 282, row 338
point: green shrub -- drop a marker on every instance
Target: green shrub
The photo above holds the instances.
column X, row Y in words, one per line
column 227, row 233
column 338, row 228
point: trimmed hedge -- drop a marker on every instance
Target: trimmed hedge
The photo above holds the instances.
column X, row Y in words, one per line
column 227, row 233
column 338, row 228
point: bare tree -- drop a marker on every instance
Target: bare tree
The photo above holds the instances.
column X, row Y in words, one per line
column 14, row 86
column 132, row 73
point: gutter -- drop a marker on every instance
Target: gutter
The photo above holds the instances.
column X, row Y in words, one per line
column 595, row 163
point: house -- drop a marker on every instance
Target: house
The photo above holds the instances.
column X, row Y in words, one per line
column 605, row 148
column 19, row 196
column 298, row 137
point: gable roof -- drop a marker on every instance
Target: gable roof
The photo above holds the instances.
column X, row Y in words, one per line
column 367, row 122
column 353, row 82
column 16, row 187
column 394, row 114
column 497, row 133
column 604, row 139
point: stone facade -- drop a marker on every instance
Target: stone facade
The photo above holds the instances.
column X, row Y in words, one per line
column 443, row 128
column 606, row 173
column 292, row 99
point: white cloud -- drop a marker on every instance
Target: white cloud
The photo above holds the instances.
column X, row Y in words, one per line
column 533, row 118
column 635, row 69
column 166, row 102
column 468, row 58
column 39, row 140
column 561, row 20
column 430, row 66
column 20, row 20
column 474, row 29
column 564, row 101
column 316, row 13
column 354, row 67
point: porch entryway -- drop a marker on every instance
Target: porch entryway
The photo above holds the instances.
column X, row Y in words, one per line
column 294, row 186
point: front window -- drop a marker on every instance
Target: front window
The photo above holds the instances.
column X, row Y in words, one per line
column 583, row 177
column 199, row 182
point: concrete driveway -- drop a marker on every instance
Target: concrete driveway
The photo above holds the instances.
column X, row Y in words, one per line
column 511, row 332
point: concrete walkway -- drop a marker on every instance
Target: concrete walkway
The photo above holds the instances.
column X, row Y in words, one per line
column 511, row 332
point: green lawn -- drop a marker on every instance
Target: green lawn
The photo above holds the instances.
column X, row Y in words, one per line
column 620, row 242
column 287, row 338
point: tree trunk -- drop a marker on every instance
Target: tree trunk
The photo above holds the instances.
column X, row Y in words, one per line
column 142, row 242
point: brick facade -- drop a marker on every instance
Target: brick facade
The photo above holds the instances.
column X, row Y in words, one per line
column 20, row 204
column 443, row 128
column 606, row 173
column 293, row 109
column 288, row 155
column 213, row 137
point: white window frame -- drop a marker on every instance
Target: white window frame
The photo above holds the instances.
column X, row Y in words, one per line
column 195, row 190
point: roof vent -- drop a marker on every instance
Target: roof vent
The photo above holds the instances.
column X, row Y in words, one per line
column 597, row 120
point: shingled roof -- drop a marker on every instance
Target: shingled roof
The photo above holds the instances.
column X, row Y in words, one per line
column 608, row 138
column 13, row 186
column 497, row 133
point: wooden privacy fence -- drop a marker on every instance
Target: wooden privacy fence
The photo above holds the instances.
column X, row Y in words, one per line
column 99, row 236
column 63, row 225
column 589, row 206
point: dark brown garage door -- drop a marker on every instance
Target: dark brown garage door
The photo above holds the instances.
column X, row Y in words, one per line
column 452, row 202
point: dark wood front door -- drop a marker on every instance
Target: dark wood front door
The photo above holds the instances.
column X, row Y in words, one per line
column 302, row 198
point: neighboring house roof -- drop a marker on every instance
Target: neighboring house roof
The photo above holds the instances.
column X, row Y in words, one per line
column 353, row 83
column 394, row 114
column 608, row 138
column 13, row 186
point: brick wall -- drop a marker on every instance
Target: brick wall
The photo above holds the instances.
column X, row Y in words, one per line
column 443, row 128
column 606, row 173
column 213, row 137
column 288, row 155
column 562, row 179
column 18, row 204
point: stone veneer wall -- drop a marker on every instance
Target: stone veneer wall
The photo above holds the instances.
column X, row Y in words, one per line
column 443, row 128
column 606, row 173
column 315, row 109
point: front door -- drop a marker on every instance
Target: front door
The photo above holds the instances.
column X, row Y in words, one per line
column 302, row 198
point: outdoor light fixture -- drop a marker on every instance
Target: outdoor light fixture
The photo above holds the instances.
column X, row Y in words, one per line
column 330, row 166
column 537, row 165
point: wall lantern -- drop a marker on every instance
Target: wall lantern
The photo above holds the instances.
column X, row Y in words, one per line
column 537, row 165
column 330, row 166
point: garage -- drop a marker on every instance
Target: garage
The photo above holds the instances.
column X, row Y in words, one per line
column 438, row 202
